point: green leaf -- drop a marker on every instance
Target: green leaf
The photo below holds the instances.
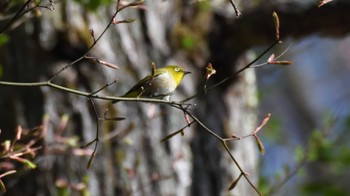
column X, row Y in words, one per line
column 299, row 153
column 181, row 131
column 128, row 140
column 72, row 141
column 153, row 72
column 234, row 183
column 323, row 188
column 6, row 145
column 2, row 186
column 3, row 39
column 276, row 22
column 187, row 42
column 260, row 145
column 30, row 164
column 130, row 20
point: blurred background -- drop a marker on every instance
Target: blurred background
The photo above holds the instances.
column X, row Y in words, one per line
column 307, row 152
column 311, row 108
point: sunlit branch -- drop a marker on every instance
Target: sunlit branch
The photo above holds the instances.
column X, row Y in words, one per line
column 229, row 78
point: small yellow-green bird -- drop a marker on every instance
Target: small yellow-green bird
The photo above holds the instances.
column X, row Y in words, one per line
column 160, row 85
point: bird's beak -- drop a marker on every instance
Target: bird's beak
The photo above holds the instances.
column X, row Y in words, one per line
column 187, row 72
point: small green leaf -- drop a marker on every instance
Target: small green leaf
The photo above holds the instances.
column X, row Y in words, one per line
column 187, row 42
column 276, row 22
column 234, row 183
column 72, row 141
column 6, row 145
column 260, row 145
column 153, row 71
column 2, row 186
column 29, row 164
column 131, row 20
column 3, row 39
column 181, row 131
column 299, row 153
column 128, row 141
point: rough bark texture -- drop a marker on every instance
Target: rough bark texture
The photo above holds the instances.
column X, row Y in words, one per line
column 130, row 159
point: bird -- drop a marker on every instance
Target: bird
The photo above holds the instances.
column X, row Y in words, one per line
column 159, row 85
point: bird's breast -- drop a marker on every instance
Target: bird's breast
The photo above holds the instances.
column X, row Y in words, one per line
column 162, row 85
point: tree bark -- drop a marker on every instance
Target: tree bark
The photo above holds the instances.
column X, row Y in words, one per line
column 130, row 158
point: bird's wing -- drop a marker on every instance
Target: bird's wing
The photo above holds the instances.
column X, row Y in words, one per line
column 145, row 80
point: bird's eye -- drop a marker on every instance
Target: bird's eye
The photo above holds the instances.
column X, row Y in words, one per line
column 177, row 69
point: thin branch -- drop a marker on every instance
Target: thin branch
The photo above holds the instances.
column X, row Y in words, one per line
column 234, row 5
column 240, row 168
column 272, row 59
column 203, row 125
column 70, row 64
column 325, row 131
column 7, row 173
column 110, row 23
column 276, row 187
column 245, row 67
column 234, row 74
column 96, row 140
column 17, row 15
column 88, row 50
column 20, row 13
column 226, row 147
column 86, row 94
column 105, row 86
column 181, row 130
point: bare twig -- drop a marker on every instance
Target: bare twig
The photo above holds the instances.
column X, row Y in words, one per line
column 7, row 173
column 240, row 168
column 177, row 132
column 96, row 140
column 234, row 74
column 88, row 50
column 223, row 142
column 105, row 86
column 97, row 60
column 234, row 5
column 110, row 23
column 272, row 59
column 17, row 15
